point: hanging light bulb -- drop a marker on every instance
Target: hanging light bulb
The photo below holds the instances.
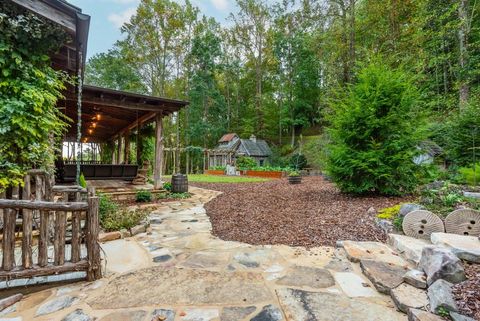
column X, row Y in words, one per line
column 98, row 117
column 90, row 131
column 94, row 125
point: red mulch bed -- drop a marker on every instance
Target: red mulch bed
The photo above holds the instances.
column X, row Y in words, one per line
column 313, row 213
column 467, row 293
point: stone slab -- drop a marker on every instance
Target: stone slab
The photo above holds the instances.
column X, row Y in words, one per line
column 236, row 313
column 409, row 247
column 322, row 306
column 384, row 276
column 416, row 278
column 357, row 251
column 125, row 255
column 300, row 276
column 354, row 285
column 268, row 313
column 464, row 247
column 408, row 297
column 420, row 315
column 176, row 286
column 137, row 315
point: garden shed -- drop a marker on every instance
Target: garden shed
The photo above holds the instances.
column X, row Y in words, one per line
column 231, row 146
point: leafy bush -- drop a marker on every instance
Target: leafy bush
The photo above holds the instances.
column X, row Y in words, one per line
column 374, row 134
column 389, row 213
column 298, row 161
column 29, row 91
column 143, row 196
column 106, row 207
column 469, row 175
column 82, row 181
column 461, row 134
column 446, row 198
column 167, row 186
column 294, row 174
column 123, row 219
column 114, row 217
column 245, row 162
column 217, row 168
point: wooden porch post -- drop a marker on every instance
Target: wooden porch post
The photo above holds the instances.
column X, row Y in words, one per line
column 157, row 176
column 126, row 155
column 119, row 150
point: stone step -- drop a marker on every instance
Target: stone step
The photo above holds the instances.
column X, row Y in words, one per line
column 409, row 247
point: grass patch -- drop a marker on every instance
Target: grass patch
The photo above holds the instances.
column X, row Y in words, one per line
column 201, row 178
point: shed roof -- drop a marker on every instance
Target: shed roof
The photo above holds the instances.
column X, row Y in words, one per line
column 256, row 148
column 227, row 137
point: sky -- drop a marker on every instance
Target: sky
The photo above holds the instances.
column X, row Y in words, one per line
column 107, row 16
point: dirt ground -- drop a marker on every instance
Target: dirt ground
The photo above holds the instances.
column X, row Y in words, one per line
column 313, row 213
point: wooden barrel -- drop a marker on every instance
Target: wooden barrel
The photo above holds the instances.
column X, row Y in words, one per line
column 179, row 183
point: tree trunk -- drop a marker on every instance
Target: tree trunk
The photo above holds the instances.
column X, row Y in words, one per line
column 463, row 57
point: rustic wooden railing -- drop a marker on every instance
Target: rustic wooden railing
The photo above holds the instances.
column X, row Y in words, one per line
column 49, row 209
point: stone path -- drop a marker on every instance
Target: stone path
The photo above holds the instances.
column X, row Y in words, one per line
column 179, row 271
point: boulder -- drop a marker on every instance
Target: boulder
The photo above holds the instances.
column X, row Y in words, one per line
column 377, row 251
column 141, row 228
column 384, row 276
column 440, row 296
column 407, row 297
column 409, row 247
column 409, row 207
column 110, row 236
column 420, row 315
column 441, row 263
column 464, row 247
column 385, row 225
column 416, row 278
column 459, row 317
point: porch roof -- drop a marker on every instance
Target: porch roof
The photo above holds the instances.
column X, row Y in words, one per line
column 107, row 113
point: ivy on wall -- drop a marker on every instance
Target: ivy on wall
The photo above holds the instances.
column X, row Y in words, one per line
column 29, row 90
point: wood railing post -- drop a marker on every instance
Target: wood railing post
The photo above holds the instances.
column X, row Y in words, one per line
column 93, row 248
column 60, row 229
column 8, row 242
column 76, row 232
column 27, row 221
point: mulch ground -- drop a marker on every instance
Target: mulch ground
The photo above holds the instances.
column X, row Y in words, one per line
column 467, row 293
column 313, row 213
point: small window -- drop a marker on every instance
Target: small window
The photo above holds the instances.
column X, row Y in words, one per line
column 261, row 162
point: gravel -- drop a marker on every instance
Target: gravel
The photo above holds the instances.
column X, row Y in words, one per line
column 313, row 213
column 467, row 293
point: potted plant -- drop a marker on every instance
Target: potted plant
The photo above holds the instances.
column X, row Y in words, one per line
column 294, row 177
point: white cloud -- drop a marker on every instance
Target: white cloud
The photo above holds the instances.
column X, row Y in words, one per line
column 220, row 4
column 118, row 19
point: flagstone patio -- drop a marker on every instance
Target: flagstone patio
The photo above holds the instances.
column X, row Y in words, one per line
column 179, row 271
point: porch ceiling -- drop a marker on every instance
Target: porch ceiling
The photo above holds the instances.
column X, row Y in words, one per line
column 108, row 113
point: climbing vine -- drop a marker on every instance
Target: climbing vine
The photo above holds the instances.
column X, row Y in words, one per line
column 29, row 90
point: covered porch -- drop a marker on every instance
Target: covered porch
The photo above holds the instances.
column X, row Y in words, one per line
column 108, row 118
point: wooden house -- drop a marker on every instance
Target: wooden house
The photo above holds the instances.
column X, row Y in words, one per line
column 231, row 146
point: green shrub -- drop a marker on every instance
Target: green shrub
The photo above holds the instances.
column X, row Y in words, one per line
column 143, row 196
column 217, row 168
column 82, row 181
column 106, row 207
column 245, row 162
column 389, row 213
column 294, row 174
column 123, row 219
column 298, row 161
column 374, row 134
column 167, row 186
column 469, row 175
column 461, row 134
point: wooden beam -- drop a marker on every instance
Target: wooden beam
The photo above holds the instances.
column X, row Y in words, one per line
column 126, row 156
column 137, row 123
column 50, row 13
column 19, row 273
column 103, row 101
column 43, row 206
column 157, row 177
